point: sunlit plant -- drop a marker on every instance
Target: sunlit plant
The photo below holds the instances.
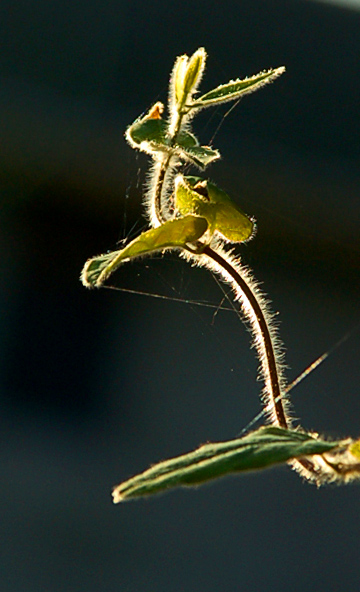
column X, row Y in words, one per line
column 193, row 217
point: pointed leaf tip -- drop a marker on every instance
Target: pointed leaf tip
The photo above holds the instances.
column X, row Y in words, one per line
column 236, row 88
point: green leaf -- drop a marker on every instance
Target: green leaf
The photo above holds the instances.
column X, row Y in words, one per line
column 201, row 156
column 171, row 234
column 194, row 72
column 147, row 130
column 230, row 220
column 150, row 135
column 194, row 196
column 236, row 88
column 186, row 140
column 186, row 76
column 177, row 78
column 154, row 131
column 257, row 450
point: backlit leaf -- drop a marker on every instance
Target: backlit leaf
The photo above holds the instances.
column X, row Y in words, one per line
column 186, row 77
column 171, row 234
column 194, row 196
column 150, row 135
column 236, row 88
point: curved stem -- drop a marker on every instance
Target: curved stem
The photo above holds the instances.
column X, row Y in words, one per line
column 270, row 366
column 265, row 342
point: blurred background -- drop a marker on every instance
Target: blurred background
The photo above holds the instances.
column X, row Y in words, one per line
column 97, row 385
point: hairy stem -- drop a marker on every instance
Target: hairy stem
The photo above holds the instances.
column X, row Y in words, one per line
column 158, row 189
column 257, row 314
column 159, row 184
column 262, row 332
column 266, row 343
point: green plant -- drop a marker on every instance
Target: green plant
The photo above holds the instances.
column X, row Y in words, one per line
column 198, row 220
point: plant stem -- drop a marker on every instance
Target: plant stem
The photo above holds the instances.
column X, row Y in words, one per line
column 263, row 337
column 255, row 313
column 164, row 167
column 265, row 342
column 158, row 187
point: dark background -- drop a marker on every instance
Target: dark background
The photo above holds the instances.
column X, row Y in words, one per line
column 97, row 385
